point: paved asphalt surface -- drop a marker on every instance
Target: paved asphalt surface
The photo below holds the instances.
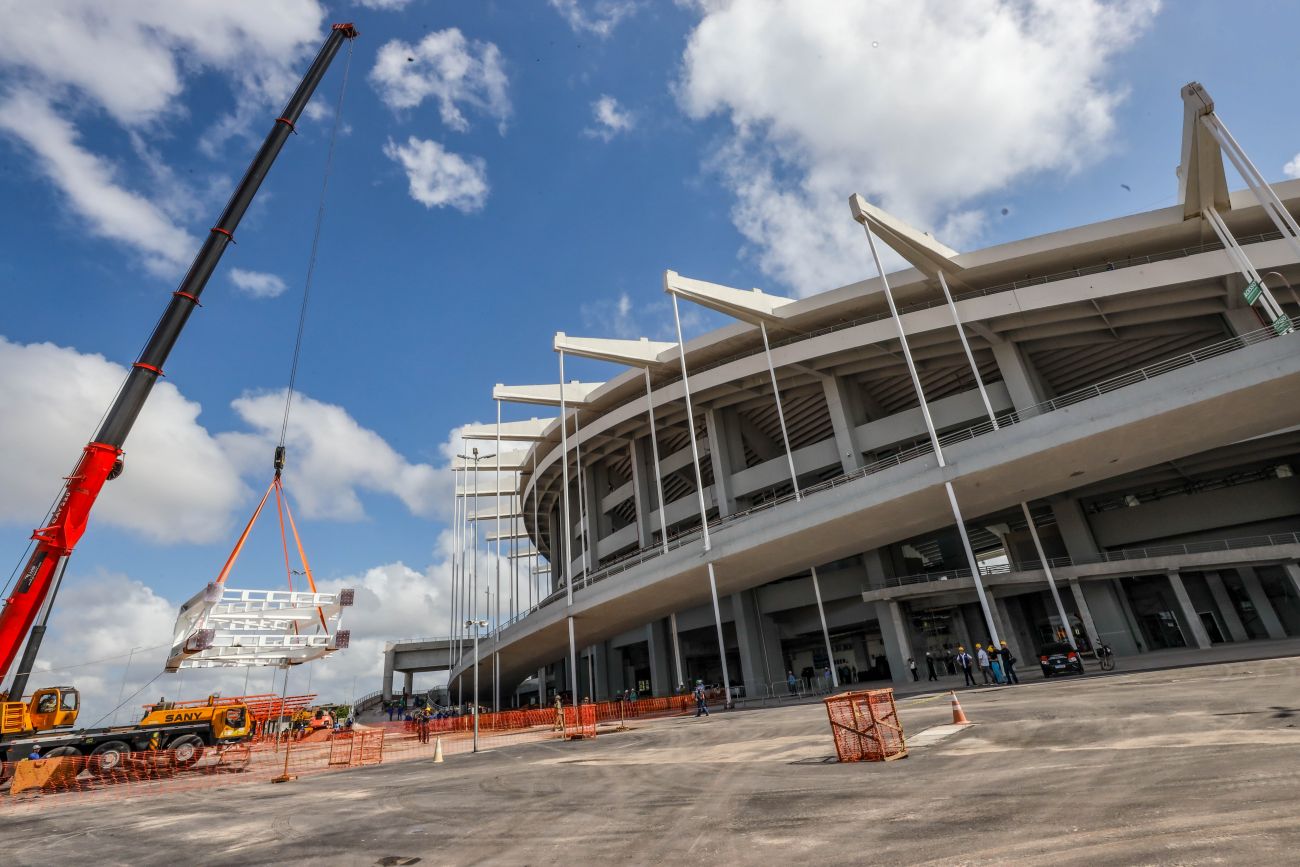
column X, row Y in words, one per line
column 1188, row 766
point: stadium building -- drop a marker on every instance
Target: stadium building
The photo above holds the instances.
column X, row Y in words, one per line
column 1089, row 435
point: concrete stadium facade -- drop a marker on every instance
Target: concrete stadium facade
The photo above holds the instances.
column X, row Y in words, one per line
column 1109, row 409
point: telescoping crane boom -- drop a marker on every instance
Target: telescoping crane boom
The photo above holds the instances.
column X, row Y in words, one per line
column 101, row 460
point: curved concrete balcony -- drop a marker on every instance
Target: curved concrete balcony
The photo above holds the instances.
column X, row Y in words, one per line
column 1225, row 393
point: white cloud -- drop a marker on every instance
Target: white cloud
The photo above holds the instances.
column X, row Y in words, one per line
column 439, row 178
column 332, row 458
column 101, row 617
column 921, row 106
column 131, row 57
column 97, row 623
column 182, row 483
column 599, row 20
column 132, row 61
column 384, row 5
column 447, row 68
column 257, row 284
column 1292, row 168
column 611, row 119
column 179, row 485
column 89, row 184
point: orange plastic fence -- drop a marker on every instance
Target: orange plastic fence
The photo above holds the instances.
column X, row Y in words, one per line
column 163, row 770
column 515, row 720
column 865, row 726
column 308, row 753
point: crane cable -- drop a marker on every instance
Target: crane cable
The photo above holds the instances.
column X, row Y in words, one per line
column 311, row 262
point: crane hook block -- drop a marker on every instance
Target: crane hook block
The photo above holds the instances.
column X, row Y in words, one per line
column 279, row 459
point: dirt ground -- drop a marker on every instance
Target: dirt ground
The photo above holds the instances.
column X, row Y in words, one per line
column 1188, row 766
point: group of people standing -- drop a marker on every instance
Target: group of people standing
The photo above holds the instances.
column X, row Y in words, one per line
column 996, row 664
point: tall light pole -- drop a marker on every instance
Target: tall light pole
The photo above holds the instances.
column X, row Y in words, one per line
column 478, row 626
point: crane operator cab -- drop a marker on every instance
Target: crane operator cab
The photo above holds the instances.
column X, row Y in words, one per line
column 53, row 707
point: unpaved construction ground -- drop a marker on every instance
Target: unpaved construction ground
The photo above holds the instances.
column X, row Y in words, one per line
column 1188, row 766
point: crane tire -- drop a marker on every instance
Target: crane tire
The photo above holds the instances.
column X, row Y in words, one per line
column 108, row 758
column 186, row 750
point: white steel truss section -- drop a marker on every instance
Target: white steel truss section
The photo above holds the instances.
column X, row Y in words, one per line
column 223, row 626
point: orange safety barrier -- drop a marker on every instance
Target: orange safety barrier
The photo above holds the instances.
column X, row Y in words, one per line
column 164, row 770
column 316, row 752
column 865, row 726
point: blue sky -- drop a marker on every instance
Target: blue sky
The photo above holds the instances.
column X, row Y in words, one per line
column 732, row 136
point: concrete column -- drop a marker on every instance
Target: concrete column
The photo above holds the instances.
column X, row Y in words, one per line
column 1227, row 610
column 643, row 487
column 1259, row 599
column 389, row 656
column 1117, row 585
column 1073, row 526
column 874, row 563
column 726, row 455
column 1193, row 628
column 612, row 669
column 1022, row 381
column 1242, row 320
column 597, row 488
column 898, row 646
column 1085, row 613
column 659, row 644
column 721, row 458
column 408, row 682
column 842, row 422
column 760, row 650
column 1293, row 575
column 541, row 686
column 1007, row 629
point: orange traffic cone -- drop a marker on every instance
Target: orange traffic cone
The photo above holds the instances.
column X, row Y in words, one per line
column 437, row 751
column 958, row 715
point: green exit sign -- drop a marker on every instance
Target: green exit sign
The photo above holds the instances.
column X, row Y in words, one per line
column 1282, row 324
column 1253, row 291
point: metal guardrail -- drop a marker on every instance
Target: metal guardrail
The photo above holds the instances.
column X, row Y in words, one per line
column 1127, row 262
column 367, row 701
column 388, row 645
column 1008, row 419
column 1119, row 555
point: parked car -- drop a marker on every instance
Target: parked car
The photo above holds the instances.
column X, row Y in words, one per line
column 1059, row 658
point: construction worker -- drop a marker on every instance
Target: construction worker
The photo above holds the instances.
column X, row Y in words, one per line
column 559, row 714
column 986, row 670
column 35, row 753
column 701, row 707
column 965, row 662
column 1008, row 663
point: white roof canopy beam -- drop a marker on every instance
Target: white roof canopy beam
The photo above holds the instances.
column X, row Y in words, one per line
column 506, row 513
column 511, row 462
column 1201, row 181
column 575, row 394
column 633, row 353
column 920, row 250
column 531, row 430
column 486, row 489
column 751, row 305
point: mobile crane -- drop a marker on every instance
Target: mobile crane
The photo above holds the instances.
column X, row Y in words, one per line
column 47, row 718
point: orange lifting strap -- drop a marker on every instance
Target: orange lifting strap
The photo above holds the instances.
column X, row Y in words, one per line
column 282, row 507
